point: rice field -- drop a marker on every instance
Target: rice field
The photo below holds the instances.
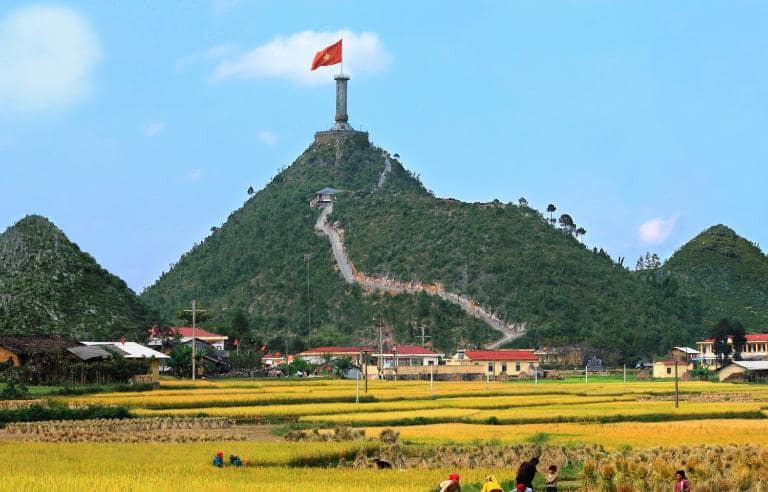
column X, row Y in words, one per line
column 474, row 428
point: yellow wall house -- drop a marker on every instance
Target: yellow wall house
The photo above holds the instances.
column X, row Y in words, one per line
column 498, row 362
column 666, row 368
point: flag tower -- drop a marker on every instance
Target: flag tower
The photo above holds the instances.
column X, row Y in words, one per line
column 332, row 55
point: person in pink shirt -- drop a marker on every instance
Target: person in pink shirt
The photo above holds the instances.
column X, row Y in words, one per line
column 681, row 483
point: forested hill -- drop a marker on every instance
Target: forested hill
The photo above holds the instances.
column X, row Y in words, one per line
column 252, row 277
column 49, row 286
column 729, row 273
column 515, row 262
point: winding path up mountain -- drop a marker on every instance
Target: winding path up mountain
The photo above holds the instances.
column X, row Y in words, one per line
column 387, row 169
column 351, row 275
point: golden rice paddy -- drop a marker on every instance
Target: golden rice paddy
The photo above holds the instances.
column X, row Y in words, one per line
column 633, row 417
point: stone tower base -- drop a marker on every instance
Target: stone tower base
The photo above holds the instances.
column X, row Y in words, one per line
column 337, row 136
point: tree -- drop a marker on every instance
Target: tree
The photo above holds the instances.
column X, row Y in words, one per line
column 580, row 231
column 738, row 339
column 566, row 222
column 721, row 333
column 250, row 191
column 239, row 326
column 551, row 209
column 341, row 366
column 522, row 201
column 648, row 262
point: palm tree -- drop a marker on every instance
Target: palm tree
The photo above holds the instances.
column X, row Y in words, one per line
column 551, row 209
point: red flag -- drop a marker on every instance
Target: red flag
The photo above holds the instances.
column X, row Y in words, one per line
column 237, row 342
column 328, row 56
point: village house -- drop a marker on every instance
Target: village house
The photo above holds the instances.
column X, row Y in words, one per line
column 18, row 350
column 666, row 368
column 406, row 355
column 320, row 355
column 322, row 198
column 687, row 354
column 501, row 362
column 133, row 350
column 184, row 334
column 755, row 348
column 273, row 360
column 742, row 369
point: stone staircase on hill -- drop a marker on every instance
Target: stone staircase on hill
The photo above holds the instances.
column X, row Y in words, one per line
column 351, row 275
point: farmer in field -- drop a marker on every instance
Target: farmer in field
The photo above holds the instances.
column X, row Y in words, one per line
column 450, row 485
column 491, row 485
column 551, row 478
column 526, row 472
column 218, row 460
column 681, row 483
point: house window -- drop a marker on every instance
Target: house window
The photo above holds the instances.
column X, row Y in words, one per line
column 517, row 367
column 490, row 367
column 503, row 367
column 669, row 370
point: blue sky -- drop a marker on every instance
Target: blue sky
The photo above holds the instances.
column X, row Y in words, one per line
column 136, row 126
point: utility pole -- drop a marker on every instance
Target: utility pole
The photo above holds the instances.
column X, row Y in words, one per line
column 423, row 336
column 677, row 389
column 381, row 347
column 307, row 258
column 194, row 312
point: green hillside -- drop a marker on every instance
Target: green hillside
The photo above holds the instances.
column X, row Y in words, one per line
column 49, row 286
column 513, row 261
column 729, row 273
column 253, row 268
column 510, row 259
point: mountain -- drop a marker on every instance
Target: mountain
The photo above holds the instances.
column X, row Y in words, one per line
column 48, row 286
column 253, row 278
column 506, row 258
column 729, row 274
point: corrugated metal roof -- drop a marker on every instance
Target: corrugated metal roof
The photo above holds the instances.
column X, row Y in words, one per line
column 133, row 350
column 85, row 352
column 753, row 365
column 327, row 191
column 687, row 350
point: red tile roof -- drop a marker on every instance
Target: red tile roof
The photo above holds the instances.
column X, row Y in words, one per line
column 411, row 350
column 489, row 355
column 757, row 337
column 186, row 331
column 273, row 356
column 751, row 337
column 337, row 350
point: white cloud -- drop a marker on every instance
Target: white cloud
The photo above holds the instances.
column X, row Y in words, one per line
column 269, row 138
column 195, row 175
column 154, row 129
column 290, row 57
column 46, row 55
column 656, row 230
